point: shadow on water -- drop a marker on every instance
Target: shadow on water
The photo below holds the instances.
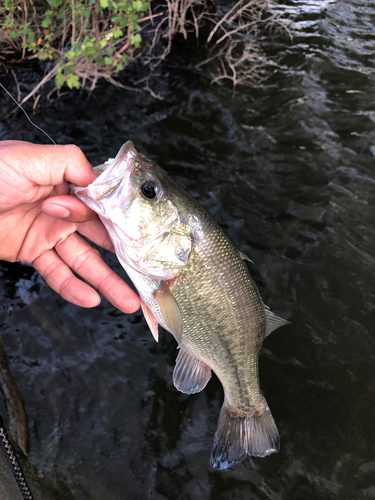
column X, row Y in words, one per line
column 288, row 171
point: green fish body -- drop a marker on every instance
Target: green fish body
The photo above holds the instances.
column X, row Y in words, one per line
column 194, row 283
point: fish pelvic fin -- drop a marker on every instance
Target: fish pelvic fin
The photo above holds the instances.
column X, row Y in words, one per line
column 151, row 321
column 190, row 375
column 237, row 435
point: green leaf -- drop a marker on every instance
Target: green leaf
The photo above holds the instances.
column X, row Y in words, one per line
column 137, row 5
column 59, row 80
column 72, row 81
column 30, row 37
column 117, row 33
column 70, row 54
column 108, row 61
column 46, row 22
column 135, row 39
column 104, row 4
column 43, row 55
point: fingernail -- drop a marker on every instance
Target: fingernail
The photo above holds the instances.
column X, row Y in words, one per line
column 56, row 210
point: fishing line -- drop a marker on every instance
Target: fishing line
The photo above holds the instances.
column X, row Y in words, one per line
column 13, row 463
column 27, row 116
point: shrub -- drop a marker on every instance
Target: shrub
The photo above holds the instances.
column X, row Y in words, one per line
column 85, row 40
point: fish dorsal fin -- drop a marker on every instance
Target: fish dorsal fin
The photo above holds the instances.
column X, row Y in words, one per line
column 170, row 311
column 273, row 321
column 151, row 321
column 190, row 375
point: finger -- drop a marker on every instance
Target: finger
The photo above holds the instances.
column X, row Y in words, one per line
column 81, row 176
column 61, row 189
column 61, row 279
column 97, row 233
column 87, row 262
column 52, row 164
column 69, row 208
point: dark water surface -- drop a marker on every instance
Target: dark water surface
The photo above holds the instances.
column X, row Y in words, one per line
column 288, row 171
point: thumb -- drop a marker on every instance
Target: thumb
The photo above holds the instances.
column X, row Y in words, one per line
column 68, row 208
column 78, row 170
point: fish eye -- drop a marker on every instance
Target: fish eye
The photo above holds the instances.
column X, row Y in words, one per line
column 149, row 190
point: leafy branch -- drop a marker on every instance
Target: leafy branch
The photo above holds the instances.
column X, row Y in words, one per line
column 82, row 41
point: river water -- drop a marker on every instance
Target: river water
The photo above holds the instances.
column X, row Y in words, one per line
column 288, row 171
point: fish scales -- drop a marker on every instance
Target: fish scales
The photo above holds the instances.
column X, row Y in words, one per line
column 193, row 282
column 218, row 305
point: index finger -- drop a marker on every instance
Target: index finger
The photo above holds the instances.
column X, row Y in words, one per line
column 88, row 263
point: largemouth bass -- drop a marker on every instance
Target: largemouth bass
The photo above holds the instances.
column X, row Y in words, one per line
column 194, row 283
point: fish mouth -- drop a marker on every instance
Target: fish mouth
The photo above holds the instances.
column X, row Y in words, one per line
column 109, row 174
column 112, row 172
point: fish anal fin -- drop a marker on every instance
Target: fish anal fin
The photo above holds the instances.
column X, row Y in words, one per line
column 254, row 434
column 273, row 322
column 151, row 321
column 190, row 375
column 170, row 311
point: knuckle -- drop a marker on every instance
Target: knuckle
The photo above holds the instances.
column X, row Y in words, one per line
column 74, row 151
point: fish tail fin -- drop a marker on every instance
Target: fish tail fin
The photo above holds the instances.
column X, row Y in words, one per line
column 239, row 435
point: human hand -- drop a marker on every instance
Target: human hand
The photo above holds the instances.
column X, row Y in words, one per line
column 39, row 223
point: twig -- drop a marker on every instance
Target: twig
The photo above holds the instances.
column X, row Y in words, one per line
column 73, row 23
column 17, row 85
column 223, row 19
column 150, row 17
column 44, row 80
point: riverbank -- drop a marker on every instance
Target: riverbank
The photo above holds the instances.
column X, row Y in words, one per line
column 79, row 43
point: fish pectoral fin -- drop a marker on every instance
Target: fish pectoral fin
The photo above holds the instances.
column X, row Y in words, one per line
column 273, row 321
column 151, row 321
column 190, row 375
column 170, row 311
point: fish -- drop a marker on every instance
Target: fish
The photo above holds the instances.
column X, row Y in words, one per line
column 193, row 282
